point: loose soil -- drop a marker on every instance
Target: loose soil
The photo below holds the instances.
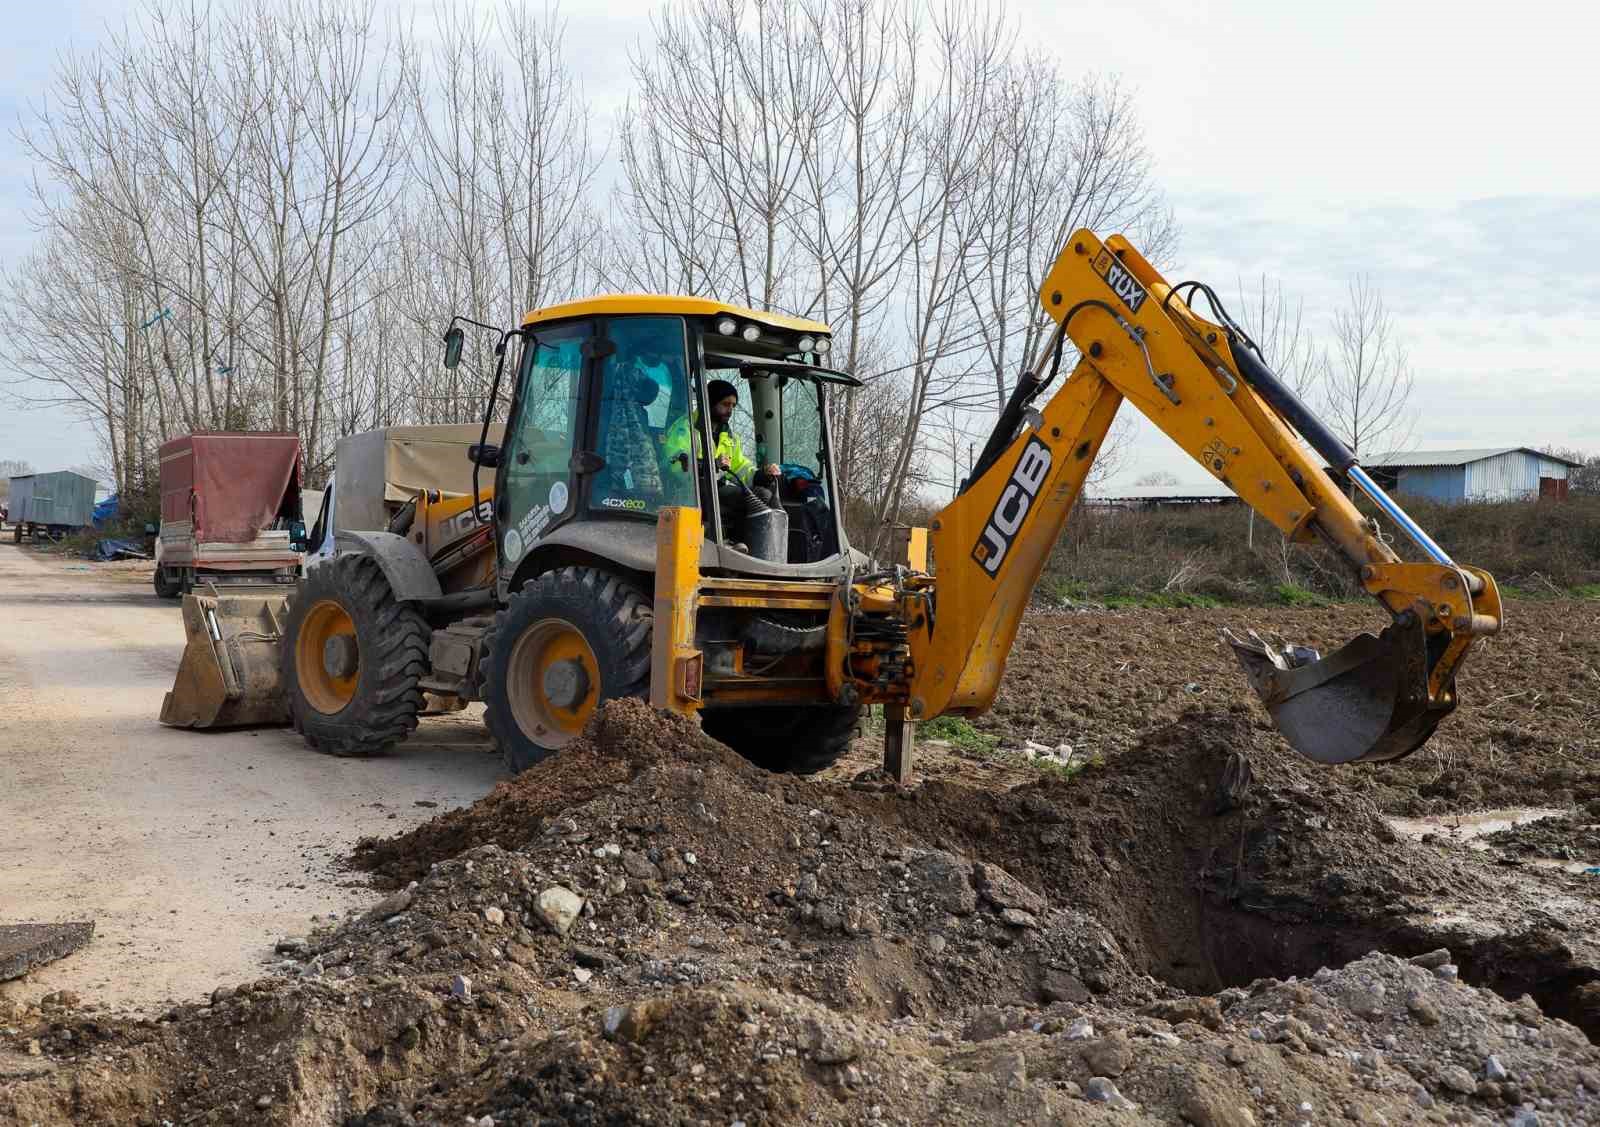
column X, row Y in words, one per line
column 645, row 929
column 1527, row 731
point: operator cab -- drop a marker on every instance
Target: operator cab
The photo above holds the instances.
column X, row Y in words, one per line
column 611, row 422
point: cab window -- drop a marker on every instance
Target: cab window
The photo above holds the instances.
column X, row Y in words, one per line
column 802, row 425
column 644, row 425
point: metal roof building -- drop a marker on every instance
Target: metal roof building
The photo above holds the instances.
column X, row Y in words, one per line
column 1162, row 496
column 1495, row 473
column 62, row 499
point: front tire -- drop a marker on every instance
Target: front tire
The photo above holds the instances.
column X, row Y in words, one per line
column 793, row 739
column 166, row 586
column 566, row 643
column 352, row 659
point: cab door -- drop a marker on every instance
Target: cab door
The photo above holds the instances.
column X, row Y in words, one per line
column 534, row 489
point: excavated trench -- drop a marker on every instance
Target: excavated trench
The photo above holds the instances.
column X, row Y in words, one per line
column 1216, row 860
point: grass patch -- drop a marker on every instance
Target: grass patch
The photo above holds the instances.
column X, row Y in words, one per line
column 958, row 732
column 1063, row 771
column 1582, row 590
column 1293, row 595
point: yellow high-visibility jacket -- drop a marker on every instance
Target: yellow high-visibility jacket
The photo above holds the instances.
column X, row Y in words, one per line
column 677, row 443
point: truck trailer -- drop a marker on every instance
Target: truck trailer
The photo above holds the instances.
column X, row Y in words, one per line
column 50, row 504
column 230, row 510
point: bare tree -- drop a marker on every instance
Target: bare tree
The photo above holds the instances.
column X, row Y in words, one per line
column 942, row 222
column 1286, row 341
column 1367, row 377
column 1157, row 477
column 1068, row 156
column 735, row 90
column 260, row 215
column 503, row 165
column 1583, row 477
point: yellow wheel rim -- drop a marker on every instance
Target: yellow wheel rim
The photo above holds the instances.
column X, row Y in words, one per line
column 552, row 682
column 326, row 690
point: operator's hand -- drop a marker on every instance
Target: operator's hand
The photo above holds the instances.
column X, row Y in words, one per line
column 722, row 461
column 772, row 470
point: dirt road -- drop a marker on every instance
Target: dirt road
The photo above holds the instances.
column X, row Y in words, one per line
column 193, row 852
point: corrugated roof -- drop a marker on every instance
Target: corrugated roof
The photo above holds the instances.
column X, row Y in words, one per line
column 1408, row 458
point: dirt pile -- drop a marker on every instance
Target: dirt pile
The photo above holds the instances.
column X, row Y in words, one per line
column 647, row 930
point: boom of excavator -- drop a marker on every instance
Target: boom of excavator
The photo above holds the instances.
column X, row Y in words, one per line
column 935, row 640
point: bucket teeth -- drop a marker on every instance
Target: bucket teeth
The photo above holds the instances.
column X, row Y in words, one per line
column 1366, row 702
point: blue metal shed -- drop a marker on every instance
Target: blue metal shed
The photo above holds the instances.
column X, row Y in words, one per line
column 1500, row 473
column 63, row 499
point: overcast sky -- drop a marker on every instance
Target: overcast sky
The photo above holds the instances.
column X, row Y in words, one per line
column 1443, row 149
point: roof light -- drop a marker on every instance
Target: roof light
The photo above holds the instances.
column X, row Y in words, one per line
column 806, row 344
column 726, row 326
column 823, row 344
column 751, row 332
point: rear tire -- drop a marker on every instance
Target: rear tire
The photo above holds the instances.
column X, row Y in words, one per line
column 166, row 586
column 370, row 709
column 565, row 644
column 793, row 739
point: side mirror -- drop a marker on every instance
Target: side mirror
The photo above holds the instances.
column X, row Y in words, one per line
column 149, row 530
column 453, row 342
column 485, row 455
column 297, row 536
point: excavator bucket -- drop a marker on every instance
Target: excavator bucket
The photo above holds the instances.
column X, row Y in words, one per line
column 229, row 674
column 1364, row 703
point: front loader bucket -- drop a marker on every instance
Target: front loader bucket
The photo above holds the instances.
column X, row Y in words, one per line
column 229, row 674
column 1364, row 703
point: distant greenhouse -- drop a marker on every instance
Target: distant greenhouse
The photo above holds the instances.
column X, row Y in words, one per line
column 1498, row 473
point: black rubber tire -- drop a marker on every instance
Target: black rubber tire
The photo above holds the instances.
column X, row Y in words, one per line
column 392, row 647
column 793, row 739
column 613, row 616
column 16, row 534
column 166, row 587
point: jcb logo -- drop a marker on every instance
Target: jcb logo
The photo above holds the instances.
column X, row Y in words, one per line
column 1012, row 507
column 464, row 522
column 1122, row 283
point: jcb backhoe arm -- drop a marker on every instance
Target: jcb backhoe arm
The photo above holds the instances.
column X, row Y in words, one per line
column 1207, row 387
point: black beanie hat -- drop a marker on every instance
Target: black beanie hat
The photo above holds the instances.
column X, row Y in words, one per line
column 718, row 390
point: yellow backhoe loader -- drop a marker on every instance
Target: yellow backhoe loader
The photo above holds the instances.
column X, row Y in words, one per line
column 621, row 553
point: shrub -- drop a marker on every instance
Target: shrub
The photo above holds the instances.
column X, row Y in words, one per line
column 1205, row 555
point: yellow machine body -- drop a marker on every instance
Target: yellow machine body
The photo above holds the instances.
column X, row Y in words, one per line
column 927, row 633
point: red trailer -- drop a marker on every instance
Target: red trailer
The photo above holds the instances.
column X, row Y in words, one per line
column 229, row 504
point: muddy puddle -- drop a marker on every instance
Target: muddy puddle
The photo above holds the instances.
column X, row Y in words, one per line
column 1480, row 830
